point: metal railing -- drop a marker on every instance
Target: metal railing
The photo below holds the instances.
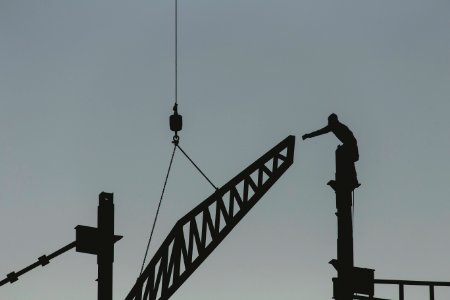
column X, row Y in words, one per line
column 402, row 283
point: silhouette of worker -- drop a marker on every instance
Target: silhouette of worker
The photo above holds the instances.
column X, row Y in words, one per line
column 346, row 154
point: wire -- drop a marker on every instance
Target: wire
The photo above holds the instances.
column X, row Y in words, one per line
column 176, row 51
column 175, row 142
column 177, row 145
column 157, row 211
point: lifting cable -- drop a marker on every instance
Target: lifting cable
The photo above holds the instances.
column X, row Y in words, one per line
column 177, row 145
column 176, row 120
column 159, row 206
column 176, row 52
column 176, row 124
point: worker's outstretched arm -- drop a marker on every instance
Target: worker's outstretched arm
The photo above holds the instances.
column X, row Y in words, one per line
column 321, row 131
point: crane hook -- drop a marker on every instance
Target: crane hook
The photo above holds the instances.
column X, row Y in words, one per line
column 176, row 123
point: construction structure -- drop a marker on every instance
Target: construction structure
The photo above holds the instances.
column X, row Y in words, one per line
column 193, row 238
column 350, row 280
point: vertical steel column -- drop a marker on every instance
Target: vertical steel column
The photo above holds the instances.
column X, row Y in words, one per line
column 105, row 255
column 345, row 261
column 401, row 291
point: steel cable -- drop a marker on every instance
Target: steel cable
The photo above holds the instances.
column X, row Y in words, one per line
column 159, row 206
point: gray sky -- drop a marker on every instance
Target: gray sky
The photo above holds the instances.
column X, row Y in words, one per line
column 86, row 88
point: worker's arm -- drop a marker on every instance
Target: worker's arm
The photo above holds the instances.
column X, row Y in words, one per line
column 321, row 131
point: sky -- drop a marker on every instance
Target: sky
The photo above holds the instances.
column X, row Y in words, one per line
column 86, row 89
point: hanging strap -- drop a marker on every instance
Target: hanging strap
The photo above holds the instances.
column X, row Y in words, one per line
column 201, row 172
column 176, row 145
column 159, row 205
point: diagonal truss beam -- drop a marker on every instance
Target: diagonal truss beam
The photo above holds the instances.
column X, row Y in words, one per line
column 199, row 232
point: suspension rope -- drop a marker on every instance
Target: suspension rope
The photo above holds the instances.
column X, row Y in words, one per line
column 175, row 125
column 159, row 205
column 210, row 182
column 176, row 51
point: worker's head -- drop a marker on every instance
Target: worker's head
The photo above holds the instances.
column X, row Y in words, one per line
column 332, row 119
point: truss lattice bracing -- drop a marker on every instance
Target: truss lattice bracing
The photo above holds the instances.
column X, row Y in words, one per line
column 200, row 231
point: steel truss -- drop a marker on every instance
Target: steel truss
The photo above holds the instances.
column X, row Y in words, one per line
column 199, row 232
